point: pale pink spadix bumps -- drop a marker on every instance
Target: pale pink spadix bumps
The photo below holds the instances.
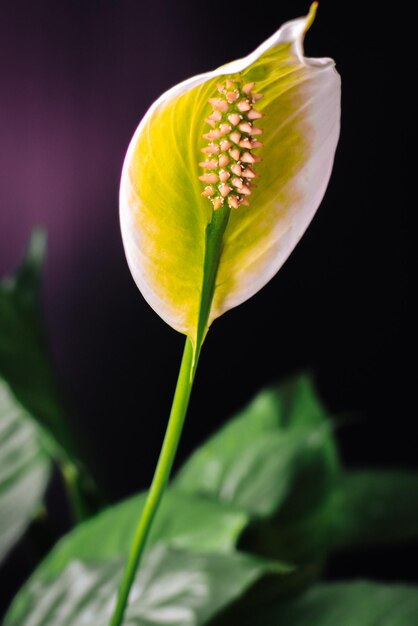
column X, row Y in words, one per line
column 229, row 166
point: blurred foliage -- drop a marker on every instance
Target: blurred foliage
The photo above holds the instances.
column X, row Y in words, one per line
column 358, row 603
column 243, row 531
column 24, row 469
column 278, row 461
column 34, row 428
column 176, row 587
column 24, row 358
column 376, row 507
column 183, row 521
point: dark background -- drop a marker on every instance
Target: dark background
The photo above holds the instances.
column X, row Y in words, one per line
column 76, row 79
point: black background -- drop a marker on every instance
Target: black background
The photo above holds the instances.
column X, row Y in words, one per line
column 78, row 76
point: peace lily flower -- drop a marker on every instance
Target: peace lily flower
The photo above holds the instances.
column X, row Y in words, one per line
column 220, row 181
column 271, row 119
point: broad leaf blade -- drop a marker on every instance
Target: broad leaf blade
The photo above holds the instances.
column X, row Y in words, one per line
column 173, row 588
column 375, row 507
column 183, row 521
column 335, row 604
column 24, row 469
column 277, row 460
column 190, row 569
column 24, row 360
column 254, row 460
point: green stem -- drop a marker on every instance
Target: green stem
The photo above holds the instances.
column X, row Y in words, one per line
column 80, row 509
column 213, row 247
column 159, row 481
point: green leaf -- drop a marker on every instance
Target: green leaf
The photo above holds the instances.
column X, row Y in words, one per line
column 190, row 569
column 24, row 360
column 335, row 604
column 183, row 521
column 375, row 507
column 277, row 460
column 173, row 588
column 24, row 469
column 252, row 460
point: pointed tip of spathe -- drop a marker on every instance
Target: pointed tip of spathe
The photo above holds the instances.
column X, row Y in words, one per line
column 310, row 18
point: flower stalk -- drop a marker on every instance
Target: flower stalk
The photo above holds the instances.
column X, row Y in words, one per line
column 214, row 234
column 160, row 479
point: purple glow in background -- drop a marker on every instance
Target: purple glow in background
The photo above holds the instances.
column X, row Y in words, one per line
column 76, row 77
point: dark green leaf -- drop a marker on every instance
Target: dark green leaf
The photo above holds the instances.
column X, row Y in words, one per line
column 277, row 460
column 251, row 461
column 183, row 521
column 24, row 469
column 375, row 507
column 173, row 588
column 335, row 604
column 24, row 361
column 80, row 575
